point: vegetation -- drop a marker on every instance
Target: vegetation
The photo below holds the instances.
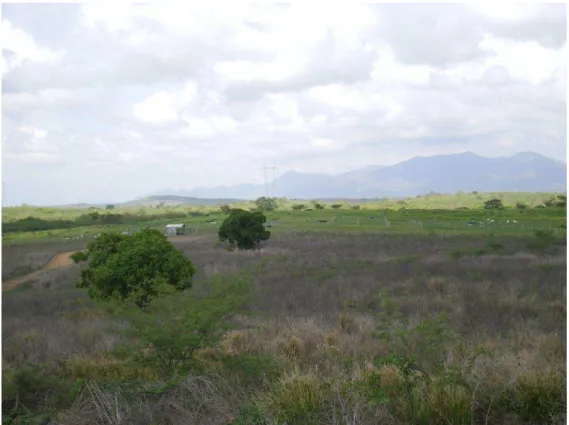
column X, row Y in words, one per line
column 244, row 229
column 423, row 310
column 137, row 268
column 266, row 204
column 494, row 204
column 320, row 327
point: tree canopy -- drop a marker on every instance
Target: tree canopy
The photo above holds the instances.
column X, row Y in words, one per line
column 137, row 268
column 244, row 229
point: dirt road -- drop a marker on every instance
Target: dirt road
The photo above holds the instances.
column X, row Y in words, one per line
column 63, row 260
column 60, row 260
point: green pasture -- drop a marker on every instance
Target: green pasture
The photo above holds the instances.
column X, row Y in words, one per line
column 424, row 202
column 419, row 221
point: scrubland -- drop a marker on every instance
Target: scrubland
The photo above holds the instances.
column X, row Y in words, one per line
column 320, row 327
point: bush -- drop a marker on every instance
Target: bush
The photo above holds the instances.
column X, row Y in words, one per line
column 33, row 391
column 266, row 204
column 244, row 229
column 494, row 204
column 137, row 268
column 174, row 327
column 544, row 241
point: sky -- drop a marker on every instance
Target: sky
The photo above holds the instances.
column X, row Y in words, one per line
column 107, row 103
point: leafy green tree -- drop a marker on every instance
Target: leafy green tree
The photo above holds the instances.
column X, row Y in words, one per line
column 494, row 204
column 298, row 207
column 355, row 207
column 336, row 206
column 561, row 201
column 225, row 209
column 266, row 204
column 110, row 207
column 318, row 206
column 244, row 229
column 138, row 268
column 521, row 206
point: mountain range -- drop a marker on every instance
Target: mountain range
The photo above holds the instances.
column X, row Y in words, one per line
column 523, row 172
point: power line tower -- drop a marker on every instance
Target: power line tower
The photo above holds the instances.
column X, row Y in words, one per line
column 269, row 189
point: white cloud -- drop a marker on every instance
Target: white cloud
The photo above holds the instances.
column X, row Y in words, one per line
column 34, row 158
column 152, row 96
column 18, row 46
column 156, row 109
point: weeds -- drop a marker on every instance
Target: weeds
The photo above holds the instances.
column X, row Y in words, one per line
column 394, row 337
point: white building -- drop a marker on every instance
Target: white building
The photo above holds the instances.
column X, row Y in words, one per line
column 175, row 229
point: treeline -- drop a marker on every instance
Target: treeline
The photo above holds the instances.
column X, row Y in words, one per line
column 34, row 224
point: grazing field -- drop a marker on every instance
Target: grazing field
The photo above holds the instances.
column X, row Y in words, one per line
column 410, row 317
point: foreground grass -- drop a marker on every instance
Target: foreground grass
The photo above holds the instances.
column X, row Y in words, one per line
column 337, row 329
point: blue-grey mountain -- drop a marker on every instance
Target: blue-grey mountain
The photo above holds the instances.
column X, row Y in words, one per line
column 524, row 172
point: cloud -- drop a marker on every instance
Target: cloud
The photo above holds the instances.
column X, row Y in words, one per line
column 136, row 98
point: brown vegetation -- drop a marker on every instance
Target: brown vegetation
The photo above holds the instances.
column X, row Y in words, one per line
column 317, row 305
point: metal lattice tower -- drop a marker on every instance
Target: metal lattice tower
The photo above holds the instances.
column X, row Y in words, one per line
column 270, row 190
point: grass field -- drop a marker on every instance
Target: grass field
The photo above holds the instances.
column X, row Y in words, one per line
column 409, row 317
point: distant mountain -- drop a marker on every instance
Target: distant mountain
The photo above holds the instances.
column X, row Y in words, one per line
column 177, row 200
column 524, row 172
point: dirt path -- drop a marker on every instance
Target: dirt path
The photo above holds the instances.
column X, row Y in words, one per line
column 60, row 260
column 63, row 260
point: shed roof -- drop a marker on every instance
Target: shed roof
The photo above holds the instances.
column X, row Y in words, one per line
column 175, row 225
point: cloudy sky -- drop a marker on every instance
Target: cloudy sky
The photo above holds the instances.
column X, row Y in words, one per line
column 107, row 103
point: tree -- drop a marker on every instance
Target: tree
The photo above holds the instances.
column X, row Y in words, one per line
column 110, row 207
column 494, row 204
column 521, row 206
column 244, row 229
column 266, row 204
column 355, row 207
column 225, row 209
column 336, row 206
column 138, row 268
column 318, row 206
column 298, row 207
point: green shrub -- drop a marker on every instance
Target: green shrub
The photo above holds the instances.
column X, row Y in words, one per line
column 266, row 204
column 138, row 268
column 540, row 399
column 32, row 393
column 251, row 369
column 174, row 327
column 244, row 229
column 544, row 241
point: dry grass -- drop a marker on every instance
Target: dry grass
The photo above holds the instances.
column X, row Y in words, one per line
column 317, row 304
column 21, row 259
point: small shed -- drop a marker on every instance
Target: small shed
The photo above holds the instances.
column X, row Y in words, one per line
column 175, row 229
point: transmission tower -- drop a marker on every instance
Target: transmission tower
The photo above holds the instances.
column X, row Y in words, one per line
column 269, row 190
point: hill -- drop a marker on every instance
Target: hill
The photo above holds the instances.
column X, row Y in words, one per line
column 524, row 172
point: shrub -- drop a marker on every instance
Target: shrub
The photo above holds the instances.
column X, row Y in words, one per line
column 540, row 399
column 174, row 327
column 225, row 209
column 244, row 229
column 32, row 391
column 298, row 207
column 544, row 241
column 494, row 204
column 266, row 204
column 137, row 268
